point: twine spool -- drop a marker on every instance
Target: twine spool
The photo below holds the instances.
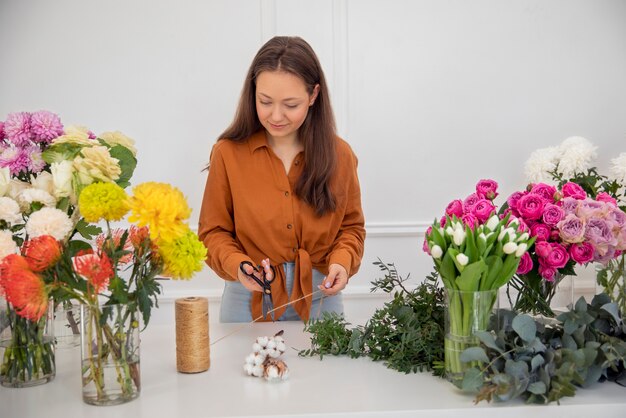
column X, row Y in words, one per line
column 192, row 335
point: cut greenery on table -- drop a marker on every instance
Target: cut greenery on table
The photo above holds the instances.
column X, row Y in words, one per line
column 407, row 333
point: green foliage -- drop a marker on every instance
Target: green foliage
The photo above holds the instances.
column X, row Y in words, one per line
column 543, row 364
column 406, row 334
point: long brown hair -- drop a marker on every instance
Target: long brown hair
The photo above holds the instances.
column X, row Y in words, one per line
column 317, row 133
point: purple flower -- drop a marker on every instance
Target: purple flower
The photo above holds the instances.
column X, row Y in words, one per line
column 45, row 126
column 525, row 264
column 455, row 208
column 530, row 206
column 617, row 217
column 572, row 229
column 544, row 190
column 552, row 214
column 569, row 205
column 16, row 159
column 541, row 231
column 17, row 128
column 589, row 208
column 487, row 189
column 1, row 131
column 35, row 162
column 574, row 190
column 606, row 257
column 469, row 202
column 599, row 233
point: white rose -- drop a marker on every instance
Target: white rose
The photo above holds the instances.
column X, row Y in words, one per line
column 62, row 173
column 5, row 180
column 43, row 181
column 7, row 245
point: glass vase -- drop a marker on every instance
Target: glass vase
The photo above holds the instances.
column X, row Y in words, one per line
column 533, row 295
column 66, row 323
column 26, row 349
column 110, row 354
column 611, row 279
column 466, row 313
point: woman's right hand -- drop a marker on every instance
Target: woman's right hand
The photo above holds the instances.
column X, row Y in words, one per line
column 250, row 284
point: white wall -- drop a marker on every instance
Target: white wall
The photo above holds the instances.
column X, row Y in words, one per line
column 432, row 95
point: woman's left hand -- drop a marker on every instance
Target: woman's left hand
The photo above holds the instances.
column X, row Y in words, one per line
column 336, row 280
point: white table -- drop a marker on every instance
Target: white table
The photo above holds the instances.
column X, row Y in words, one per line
column 334, row 387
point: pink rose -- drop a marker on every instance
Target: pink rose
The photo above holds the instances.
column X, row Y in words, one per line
column 487, row 189
column 555, row 235
column 574, row 190
column 525, row 264
column 541, row 231
column 558, row 257
column 599, row 233
column 552, row 214
column 569, row 205
column 547, row 272
column 455, row 208
column 582, row 252
column 530, row 206
column 544, row 190
column 521, row 225
column 572, row 229
column 469, row 202
column 605, row 197
column 543, row 248
column 469, row 220
column 513, row 199
column 483, row 209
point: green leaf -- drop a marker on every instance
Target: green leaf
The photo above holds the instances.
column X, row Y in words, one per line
column 488, row 340
column 88, row 231
column 537, row 388
column 613, row 310
column 581, row 305
column 472, row 381
column 447, row 269
column 525, row 327
column 474, row 354
column 75, row 246
column 127, row 162
column 536, row 362
column 469, row 279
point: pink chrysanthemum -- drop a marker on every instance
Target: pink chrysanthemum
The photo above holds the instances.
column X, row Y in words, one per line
column 35, row 161
column 15, row 159
column 45, row 126
column 17, row 128
column 1, row 131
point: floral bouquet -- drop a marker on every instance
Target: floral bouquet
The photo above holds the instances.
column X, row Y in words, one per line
column 38, row 195
column 576, row 222
column 475, row 252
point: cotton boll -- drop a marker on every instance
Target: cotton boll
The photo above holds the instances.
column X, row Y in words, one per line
column 271, row 373
column 256, row 347
column 273, row 353
column 248, row 368
column 250, row 359
column 258, row 370
column 271, row 344
column 262, row 341
column 281, row 347
column 259, row 358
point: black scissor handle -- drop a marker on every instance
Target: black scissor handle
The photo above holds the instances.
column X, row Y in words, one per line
column 265, row 284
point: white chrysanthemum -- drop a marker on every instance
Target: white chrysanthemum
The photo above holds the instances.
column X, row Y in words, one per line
column 118, row 138
column 49, row 221
column 577, row 154
column 5, row 180
column 29, row 196
column 10, row 211
column 7, row 245
column 618, row 168
column 540, row 163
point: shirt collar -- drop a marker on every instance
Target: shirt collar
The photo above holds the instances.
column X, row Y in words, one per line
column 258, row 140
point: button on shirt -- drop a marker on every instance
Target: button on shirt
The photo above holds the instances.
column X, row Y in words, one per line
column 250, row 212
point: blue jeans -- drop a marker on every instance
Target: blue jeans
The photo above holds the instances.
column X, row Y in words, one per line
column 235, row 306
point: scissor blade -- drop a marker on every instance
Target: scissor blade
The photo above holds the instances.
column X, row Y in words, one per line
column 268, row 306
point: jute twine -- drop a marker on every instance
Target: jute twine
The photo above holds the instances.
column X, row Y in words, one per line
column 192, row 335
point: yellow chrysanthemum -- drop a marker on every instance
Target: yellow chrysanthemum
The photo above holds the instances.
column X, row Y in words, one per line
column 183, row 256
column 162, row 208
column 103, row 201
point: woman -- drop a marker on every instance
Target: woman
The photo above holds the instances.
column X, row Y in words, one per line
column 283, row 192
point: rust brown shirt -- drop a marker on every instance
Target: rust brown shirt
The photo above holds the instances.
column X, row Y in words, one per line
column 250, row 212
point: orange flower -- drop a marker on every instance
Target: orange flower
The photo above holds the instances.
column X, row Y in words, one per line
column 23, row 289
column 96, row 269
column 138, row 235
column 41, row 252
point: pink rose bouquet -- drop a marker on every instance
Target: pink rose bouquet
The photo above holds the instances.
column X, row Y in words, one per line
column 570, row 228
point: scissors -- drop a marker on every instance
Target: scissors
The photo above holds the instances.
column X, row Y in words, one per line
column 268, row 303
